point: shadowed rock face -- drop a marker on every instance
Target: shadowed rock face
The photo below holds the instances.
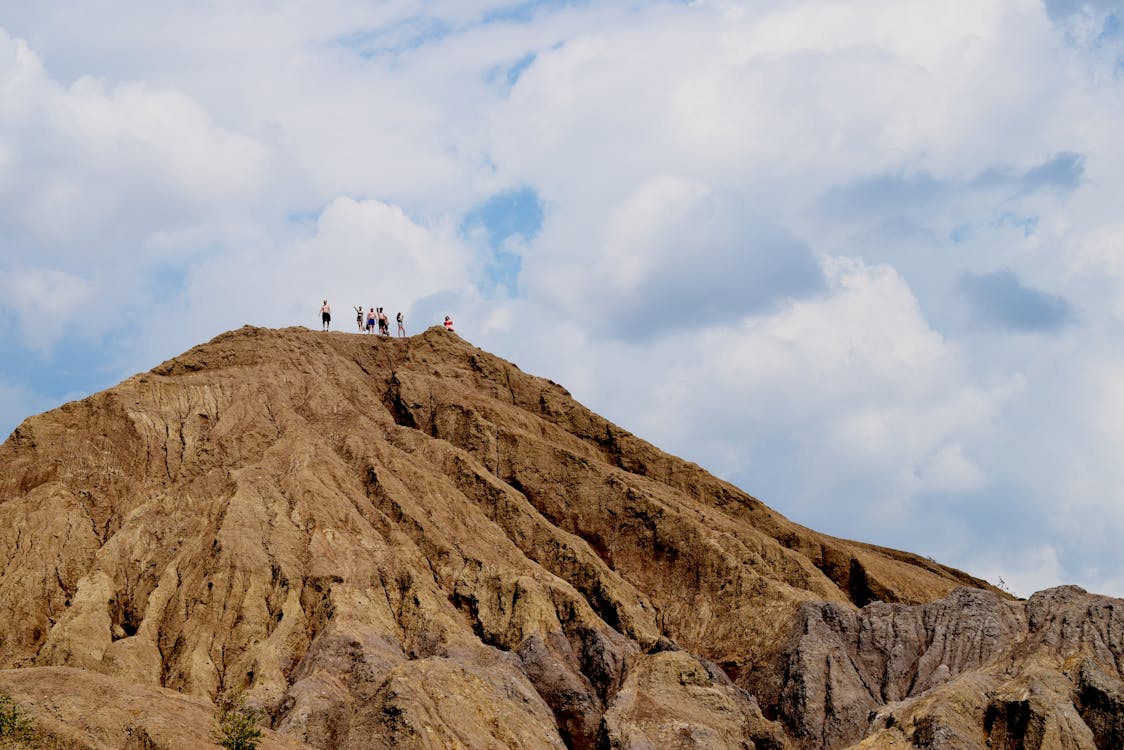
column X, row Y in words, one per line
column 842, row 664
column 970, row 670
column 413, row 544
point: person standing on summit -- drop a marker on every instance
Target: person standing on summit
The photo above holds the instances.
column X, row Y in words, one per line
column 325, row 316
column 401, row 326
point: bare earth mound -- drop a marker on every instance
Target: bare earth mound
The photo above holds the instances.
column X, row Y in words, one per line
column 413, row 544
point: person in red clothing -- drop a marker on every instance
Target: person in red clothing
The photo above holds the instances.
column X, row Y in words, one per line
column 449, row 324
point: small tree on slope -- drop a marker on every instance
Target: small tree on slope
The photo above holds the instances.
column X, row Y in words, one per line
column 238, row 724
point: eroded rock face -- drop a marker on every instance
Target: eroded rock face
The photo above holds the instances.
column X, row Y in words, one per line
column 842, row 664
column 411, row 543
column 673, row 700
column 971, row 670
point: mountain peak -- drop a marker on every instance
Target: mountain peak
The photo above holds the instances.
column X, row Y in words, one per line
column 412, row 543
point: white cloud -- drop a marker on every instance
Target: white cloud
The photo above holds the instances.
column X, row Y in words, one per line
column 134, row 127
column 858, row 383
column 949, row 470
column 675, row 254
column 93, row 159
column 46, row 303
column 883, row 25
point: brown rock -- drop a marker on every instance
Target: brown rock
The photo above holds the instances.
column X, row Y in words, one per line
column 672, row 700
column 413, row 543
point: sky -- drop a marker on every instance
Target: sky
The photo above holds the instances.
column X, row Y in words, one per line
column 862, row 258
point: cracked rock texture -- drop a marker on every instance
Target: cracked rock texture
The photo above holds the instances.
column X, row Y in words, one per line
column 972, row 670
column 410, row 543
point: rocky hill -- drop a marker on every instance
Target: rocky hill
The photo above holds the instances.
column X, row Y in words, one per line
column 410, row 543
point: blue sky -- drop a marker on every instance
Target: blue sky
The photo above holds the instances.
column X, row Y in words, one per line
column 864, row 259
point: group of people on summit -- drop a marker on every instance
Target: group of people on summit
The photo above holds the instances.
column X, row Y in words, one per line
column 374, row 317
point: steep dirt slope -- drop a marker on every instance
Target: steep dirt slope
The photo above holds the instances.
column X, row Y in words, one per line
column 412, row 543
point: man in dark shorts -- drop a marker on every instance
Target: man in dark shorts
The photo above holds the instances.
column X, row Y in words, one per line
column 325, row 316
column 371, row 318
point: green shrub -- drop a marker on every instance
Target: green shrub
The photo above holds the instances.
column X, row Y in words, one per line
column 238, row 724
column 16, row 729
